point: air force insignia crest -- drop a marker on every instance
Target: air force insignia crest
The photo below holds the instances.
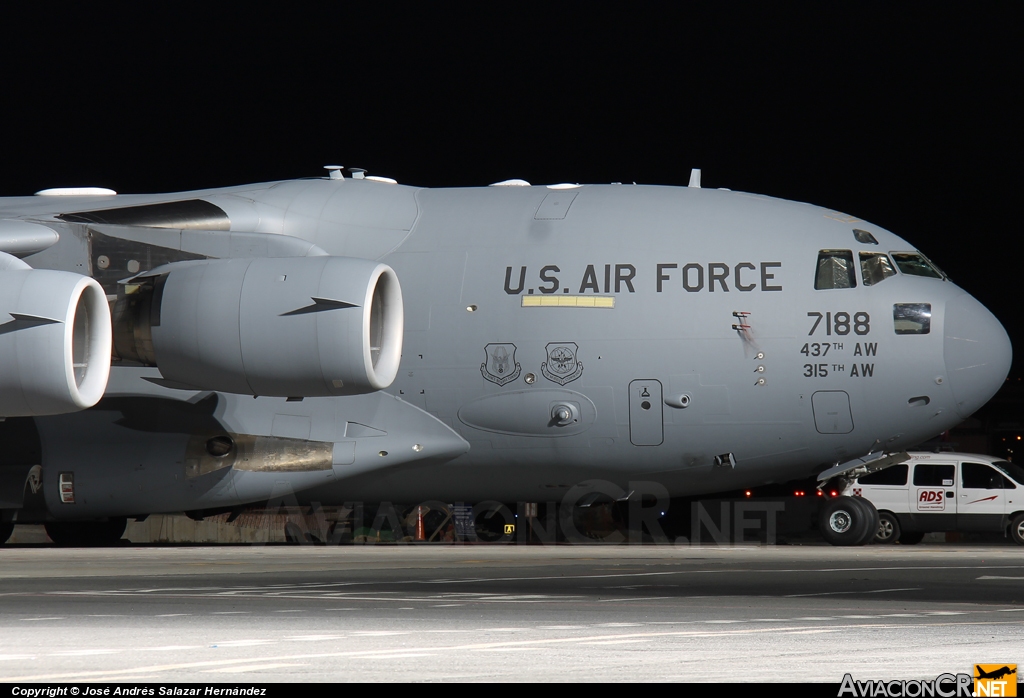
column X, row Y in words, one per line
column 500, row 367
column 562, row 366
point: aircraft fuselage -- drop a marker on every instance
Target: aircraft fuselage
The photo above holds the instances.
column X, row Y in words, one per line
column 704, row 340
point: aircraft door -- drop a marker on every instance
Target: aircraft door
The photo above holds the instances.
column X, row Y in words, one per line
column 832, row 413
column 982, row 500
column 646, row 421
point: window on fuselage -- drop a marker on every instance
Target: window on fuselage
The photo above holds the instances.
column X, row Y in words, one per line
column 934, row 475
column 916, row 264
column 864, row 237
column 875, row 267
column 893, row 475
column 912, row 318
column 835, row 270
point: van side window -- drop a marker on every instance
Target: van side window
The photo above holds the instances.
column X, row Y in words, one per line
column 894, row 475
column 934, row 475
column 835, row 270
column 976, row 476
column 1015, row 471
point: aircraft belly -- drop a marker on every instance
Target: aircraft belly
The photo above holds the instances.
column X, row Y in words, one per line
column 529, row 480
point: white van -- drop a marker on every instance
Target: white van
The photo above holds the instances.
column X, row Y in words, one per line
column 944, row 492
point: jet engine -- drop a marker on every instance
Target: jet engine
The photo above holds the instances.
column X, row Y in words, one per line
column 286, row 327
column 55, row 346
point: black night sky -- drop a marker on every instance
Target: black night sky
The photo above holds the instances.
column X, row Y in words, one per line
column 908, row 116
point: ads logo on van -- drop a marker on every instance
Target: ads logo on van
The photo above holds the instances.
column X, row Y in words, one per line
column 931, row 500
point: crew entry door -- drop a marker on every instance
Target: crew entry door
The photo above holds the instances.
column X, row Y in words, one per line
column 646, row 423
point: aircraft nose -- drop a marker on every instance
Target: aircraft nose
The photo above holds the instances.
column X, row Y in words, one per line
column 977, row 353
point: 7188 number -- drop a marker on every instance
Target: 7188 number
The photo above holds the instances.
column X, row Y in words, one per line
column 841, row 323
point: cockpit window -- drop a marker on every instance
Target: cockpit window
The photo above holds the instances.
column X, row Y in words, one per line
column 912, row 318
column 875, row 267
column 916, row 264
column 835, row 270
column 864, row 237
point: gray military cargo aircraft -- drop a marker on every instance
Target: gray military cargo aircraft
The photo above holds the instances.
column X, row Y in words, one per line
column 349, row 338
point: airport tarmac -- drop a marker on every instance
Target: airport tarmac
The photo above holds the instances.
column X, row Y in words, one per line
column 808, row 613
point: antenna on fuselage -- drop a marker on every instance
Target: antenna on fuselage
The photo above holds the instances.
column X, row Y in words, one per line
column 695, row 178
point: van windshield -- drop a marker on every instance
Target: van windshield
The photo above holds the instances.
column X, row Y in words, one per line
column 1014, row 470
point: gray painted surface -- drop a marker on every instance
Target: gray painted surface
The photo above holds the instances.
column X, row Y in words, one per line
column 706, row 294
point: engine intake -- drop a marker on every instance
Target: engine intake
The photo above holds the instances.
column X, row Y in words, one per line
column 55, row 349
column 287, row 327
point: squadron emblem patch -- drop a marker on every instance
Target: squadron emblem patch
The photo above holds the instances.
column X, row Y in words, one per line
column 562, row 366
column 500, row 367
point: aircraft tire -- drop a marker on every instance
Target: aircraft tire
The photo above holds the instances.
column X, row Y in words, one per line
column 889, row 530
column 86, row 534
column 872, row 518
column 844, row 522
column 6, row 529
column 911, row 537
column 1016, row 529
column 293, row 534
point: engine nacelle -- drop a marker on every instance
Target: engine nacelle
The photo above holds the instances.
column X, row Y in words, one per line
column 55, row 348
column 286, row 327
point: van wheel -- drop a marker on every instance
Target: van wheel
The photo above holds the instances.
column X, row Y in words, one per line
column 843, row 521
column 911, row 538
column 1017, row 529
column 6, row 529
column 888, row 528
